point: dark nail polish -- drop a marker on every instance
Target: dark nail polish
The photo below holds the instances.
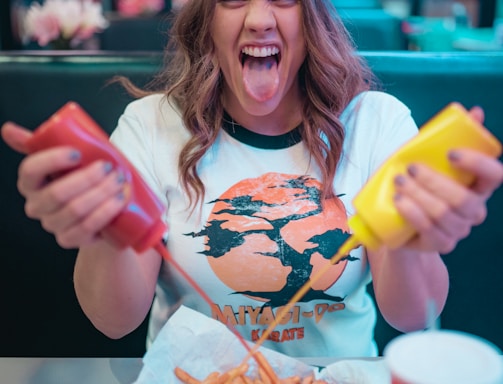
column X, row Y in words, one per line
column 399, row 180
column 75, row 156
column 120, row 196
column 121, row 178
column 412, row 170
column 454, row 155
column 107, row 167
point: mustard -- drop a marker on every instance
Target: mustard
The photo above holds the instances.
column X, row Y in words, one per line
column 376, row 221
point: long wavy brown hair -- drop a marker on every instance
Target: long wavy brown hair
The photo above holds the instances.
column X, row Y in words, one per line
column 331, row 76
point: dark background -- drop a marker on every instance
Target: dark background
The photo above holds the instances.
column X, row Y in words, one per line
column 40, row 315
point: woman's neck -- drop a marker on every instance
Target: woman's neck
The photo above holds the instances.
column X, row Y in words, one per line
column 286, row 117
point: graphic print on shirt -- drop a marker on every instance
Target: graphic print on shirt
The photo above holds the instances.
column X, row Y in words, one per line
column 265, row 237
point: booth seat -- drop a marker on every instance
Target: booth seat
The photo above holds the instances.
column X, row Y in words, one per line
column 40, row 314
column 374, row 29
column 140, row 33
column 356, row 3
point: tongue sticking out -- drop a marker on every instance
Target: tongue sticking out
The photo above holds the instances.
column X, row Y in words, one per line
column 261, row 77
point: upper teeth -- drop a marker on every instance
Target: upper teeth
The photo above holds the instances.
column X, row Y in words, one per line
column 260, row 52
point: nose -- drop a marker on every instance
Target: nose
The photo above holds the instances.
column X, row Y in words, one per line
column 260, row 16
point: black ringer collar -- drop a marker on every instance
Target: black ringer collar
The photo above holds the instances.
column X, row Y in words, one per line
column 258, row 140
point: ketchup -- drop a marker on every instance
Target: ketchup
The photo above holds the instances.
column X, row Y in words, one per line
column 139, row 224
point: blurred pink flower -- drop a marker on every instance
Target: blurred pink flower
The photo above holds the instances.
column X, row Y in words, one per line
column 64, row 20
column 139, row 7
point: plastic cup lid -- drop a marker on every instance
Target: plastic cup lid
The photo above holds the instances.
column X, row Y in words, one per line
column 444, row 356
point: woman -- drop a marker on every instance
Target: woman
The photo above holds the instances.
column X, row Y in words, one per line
column 263, row 132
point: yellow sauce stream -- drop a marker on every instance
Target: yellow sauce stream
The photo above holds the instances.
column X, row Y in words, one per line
column 351, row 243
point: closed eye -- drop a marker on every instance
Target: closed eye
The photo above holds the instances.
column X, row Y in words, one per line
column 233, row 3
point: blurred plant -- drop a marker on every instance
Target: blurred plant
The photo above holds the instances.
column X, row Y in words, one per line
column 63, row 24
column 139, row 7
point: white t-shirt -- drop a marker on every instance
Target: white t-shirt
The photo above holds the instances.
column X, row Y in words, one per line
column 261, row 231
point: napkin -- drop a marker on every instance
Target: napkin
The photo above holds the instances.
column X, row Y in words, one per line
column 201, row 345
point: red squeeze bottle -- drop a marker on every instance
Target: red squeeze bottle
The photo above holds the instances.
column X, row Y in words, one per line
column 139, row 224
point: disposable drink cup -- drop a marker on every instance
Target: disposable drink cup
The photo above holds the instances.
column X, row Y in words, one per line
column 443, row 357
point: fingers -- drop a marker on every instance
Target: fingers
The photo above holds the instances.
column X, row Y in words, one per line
column 438, row 228
column 59, row 192
column 488, row 172
column 73, row 202
column 441, row 209
column 78, row 206
column 442, row 197
column 88, row 230
column 35, row 170
column 80, row 220
column 15, row 136
column 428, row 211
column 477, row 113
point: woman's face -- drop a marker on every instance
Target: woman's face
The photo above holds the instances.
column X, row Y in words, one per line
column 260, row 47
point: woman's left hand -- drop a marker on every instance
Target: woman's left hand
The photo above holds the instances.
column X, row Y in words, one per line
column 442, row 210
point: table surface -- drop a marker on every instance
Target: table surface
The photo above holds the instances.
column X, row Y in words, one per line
column 101, row 370
column 69, row 370
column 82, row 370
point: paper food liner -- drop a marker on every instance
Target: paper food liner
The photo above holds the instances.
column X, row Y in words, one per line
column 201, row 345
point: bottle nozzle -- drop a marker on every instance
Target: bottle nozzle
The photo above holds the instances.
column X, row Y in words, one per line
column 365, row 235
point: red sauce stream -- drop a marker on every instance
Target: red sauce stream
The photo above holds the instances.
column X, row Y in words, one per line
column 161, row 248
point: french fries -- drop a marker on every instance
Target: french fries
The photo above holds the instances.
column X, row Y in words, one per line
column 237, row 375
column 266, row 374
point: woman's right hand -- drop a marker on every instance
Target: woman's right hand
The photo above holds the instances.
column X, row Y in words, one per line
column 74, row 206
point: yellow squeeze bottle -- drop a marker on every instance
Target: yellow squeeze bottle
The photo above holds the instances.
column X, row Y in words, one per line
column 376, row 221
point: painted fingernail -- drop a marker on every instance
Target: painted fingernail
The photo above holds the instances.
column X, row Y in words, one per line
column 399, row 180
column 75, row 155
column 121, row 178
column 107, row 167
column 412, row 170
column 120, row 196
column 454, row 155
column 397, row 196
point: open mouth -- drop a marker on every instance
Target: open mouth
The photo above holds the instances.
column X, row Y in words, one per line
column 261, row 76
column 260, row 53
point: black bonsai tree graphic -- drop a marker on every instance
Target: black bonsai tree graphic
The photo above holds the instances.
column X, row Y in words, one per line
column 220, row 239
